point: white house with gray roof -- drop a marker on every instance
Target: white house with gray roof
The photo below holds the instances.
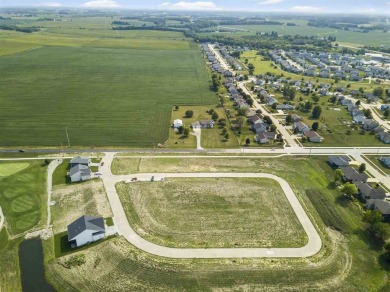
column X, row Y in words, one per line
column 79, row 169
column 85, row 230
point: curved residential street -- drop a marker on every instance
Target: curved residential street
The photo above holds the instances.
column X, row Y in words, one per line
column 311, row 248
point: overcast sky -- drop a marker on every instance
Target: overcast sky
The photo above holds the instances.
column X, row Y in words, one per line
column 307, row 6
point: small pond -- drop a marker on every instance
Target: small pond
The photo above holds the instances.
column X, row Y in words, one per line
column 32, row 269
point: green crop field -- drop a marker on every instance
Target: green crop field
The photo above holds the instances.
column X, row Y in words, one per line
column 372, row 38
column 228, row 212
column 107, row 88
column 22, row 195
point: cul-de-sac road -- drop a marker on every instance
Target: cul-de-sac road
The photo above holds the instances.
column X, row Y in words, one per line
column 311, row 248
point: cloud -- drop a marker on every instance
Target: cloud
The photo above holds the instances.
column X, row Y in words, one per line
column 306, row 9
column 189, row 6
column 270, row 2
column 50, row 4
column 101, row 4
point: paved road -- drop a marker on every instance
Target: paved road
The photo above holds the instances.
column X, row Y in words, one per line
column 311, row 248
column 286, row 135
column 220, row 59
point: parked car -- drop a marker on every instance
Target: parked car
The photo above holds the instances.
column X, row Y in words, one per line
column 134, row 179
column 152, row 179
column 101, row 164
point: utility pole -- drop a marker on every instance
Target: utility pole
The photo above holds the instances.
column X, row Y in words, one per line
column 67, row 136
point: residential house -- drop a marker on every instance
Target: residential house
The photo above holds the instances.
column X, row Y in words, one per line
column 385, row 107
column 312, row 136
column 285, row 107
column 300, row 127
column 384, row 137
column 85, row 230
column 80, row 160
column 196, row 125
column 382, row 206
column 206, row 124
column 370, row 124
column 261, row 127
column 177, row 123
column 338, row 161
column 385, row 161
column 255, row 120
column 79, row 169
column 359, row 119
column 351, row 175
column 264, row 137
column 368, row 193
column 296, row 118
column 79, row 173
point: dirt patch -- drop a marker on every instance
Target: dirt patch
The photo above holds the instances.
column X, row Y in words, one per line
column 73, row 201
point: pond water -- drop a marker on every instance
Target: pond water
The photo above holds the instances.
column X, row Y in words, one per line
column 32, row 269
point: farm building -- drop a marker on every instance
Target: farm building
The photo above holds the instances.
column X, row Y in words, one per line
column 177, row 123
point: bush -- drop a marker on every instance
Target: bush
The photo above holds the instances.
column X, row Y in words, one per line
column 75, row 261
column 189, row 114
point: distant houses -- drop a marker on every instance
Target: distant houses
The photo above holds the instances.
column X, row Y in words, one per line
column 79, row 169
column 85, row 230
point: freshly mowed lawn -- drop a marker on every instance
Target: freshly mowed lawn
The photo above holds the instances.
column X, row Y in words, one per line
column 7, row 169
column 104, row 96
column 22, row 196
column 227, row 212
column 60, row 173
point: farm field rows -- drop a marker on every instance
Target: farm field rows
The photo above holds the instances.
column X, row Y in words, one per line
column 376, row 38
column 105, row 92
column 212, row 213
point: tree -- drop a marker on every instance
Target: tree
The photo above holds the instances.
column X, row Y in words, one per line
column 247, row 141
column 268, row 120
column 358, row 103
column 378, row 92
column 289, row 119
column 189, row 114
column 368, row 113
column 338, row 175
column 47, row 161
column 272, row 128
column 349, row 189
column 372, row 217
column 315, row 98
column 176, row 107
column 381, row 231
column 315, row 126
column 274, row 105
column 227, row 136
column 386, row 113
column 224, row 131
column 362, row 167
column 180, row 130
column 214, row 116
column 186, row 131
column 316, row 113
column 333, row 99
column 308, row 105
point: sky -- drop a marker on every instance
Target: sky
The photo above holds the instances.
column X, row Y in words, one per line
column 297, row 6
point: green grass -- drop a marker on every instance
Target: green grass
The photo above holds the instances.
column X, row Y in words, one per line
column 105, row 96
column 62, row 246
column 9, row 263
column 210, row 138
column 210, row 212
column 60, row 173
column 109, row 221
column 23, row 197
column 374, row 159
column 7, row 169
